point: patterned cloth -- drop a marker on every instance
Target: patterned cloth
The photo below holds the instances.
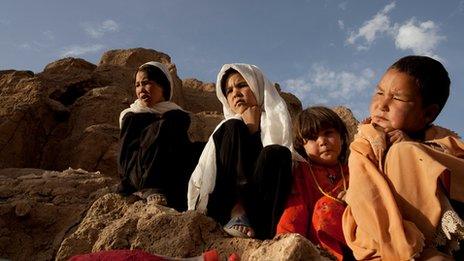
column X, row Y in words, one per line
column 312, row 214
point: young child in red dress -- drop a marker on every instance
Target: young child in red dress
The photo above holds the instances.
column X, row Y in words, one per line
column 315, row 206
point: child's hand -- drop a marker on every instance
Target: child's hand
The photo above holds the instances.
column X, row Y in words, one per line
column 252, row 116
column 395, row 136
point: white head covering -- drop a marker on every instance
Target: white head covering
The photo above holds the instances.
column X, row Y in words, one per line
column 275, row 126
column 160, row 107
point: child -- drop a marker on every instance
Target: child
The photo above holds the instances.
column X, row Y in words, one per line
column 155, row 157
column 404, row 170
column 315, row 206
column 244, row 173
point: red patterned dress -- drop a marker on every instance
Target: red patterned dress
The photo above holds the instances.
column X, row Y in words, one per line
column 312, row 208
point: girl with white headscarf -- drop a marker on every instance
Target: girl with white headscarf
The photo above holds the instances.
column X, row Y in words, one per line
column 155, row 157
column 244, row 173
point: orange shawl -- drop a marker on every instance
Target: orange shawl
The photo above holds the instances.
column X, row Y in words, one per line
column 393, row 208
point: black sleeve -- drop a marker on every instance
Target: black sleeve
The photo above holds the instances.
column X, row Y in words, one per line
column 175, row 126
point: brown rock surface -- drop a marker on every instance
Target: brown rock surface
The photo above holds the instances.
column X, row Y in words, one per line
column 203, row 124
column 114, row 222
column 350, row 121
column 67, row 115
column 200, row 96
column 39, row 208
column 133, row 58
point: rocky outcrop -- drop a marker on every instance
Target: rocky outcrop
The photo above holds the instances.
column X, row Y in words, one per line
column 348, row 118
column 39, row 208
column 67, row 115
column 200, row 97
column 115, row 222
column 133, row 58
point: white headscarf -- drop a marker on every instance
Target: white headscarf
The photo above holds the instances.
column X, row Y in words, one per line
column 275, row 126
column 160, row 107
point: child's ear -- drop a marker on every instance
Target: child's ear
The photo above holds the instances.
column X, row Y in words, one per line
column 431, row 112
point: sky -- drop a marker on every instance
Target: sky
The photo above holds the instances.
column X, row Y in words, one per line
column 326, row 52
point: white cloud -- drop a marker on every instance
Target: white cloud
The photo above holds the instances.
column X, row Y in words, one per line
column 342, row 5
column 77, row 50
column 420, row 37
column 371, row 29
column 341, row 24
column 322, row 85
column 98, row 30
column 25, row 46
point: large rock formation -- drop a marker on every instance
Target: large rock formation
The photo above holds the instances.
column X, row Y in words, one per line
column 39, row 208
column 67, row 115
column 114, row 222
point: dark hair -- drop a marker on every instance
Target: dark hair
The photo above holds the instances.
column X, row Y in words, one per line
column 157, row 75
column 310, row 121
column 431, row 77
column 226, row 75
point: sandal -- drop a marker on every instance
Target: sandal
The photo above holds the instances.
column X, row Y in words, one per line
column 242, row 221
column 152, row 197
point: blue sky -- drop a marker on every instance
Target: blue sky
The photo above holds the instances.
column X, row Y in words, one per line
column 330, row 52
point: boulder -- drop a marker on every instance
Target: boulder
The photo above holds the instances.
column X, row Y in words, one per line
column 115, row 222
column 200, row 96
column 348, row 118
column 39, row 208
column 133, row 58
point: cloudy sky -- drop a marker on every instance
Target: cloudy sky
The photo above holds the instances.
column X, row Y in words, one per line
column 330, row 52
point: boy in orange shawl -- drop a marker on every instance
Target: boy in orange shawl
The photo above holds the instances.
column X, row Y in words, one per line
column 405, row 172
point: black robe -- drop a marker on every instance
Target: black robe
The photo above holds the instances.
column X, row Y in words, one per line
column 259, row 178
column 155, row 152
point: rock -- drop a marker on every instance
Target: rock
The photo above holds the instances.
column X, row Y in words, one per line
column 24, row 120
column 133, row 58
column 203, row 124
column 22, row 208
column 39, row 208
column 47, row 120
column 93, row 123
column 195, row 84
column 115, row 222
column 348, row 118
column 68, row 70
column 200, row 96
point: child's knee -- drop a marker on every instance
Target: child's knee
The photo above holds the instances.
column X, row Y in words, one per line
column 277, row 152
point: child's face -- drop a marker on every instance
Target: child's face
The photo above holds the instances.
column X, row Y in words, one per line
column 397, row 104
column 148, row 92
column 325, row 148
column 239, row 95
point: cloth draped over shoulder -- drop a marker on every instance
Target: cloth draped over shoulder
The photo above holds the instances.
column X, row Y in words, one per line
column 158, row 108
column 275, row 126
column 393, row 211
